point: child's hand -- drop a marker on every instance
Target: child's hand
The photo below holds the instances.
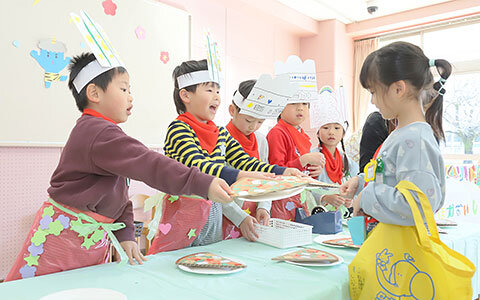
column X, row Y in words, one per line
column 248, row 230
column 314, row 170
column 335, row 200
column 294, row 172
column 357, row 210
column 263, row 217
column 219, row 191
column 314, row 158
column 349, row 188
column 132, row 251
column 257, row 175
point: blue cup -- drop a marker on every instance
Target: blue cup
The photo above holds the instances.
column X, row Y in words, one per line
column 358, row 229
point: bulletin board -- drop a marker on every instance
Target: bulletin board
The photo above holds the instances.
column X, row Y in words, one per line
column 151, row 38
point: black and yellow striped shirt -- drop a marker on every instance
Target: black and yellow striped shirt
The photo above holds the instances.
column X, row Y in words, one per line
column 183, row 145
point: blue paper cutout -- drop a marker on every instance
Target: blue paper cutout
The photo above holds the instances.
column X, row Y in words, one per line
column 35, row 250
column 28, row 271
column 16, row 43
column 45, row 222
column 289, row 206
column 51, row 59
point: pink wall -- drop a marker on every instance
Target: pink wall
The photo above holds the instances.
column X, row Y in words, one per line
column 251, row 40
column 332, row 50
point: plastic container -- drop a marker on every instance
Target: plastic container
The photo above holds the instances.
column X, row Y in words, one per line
column 284, row 234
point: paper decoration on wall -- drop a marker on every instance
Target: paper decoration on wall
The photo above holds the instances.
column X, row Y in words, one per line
column 51, row 59
column 16, row 43
column 268, row 97
column 82, row 45
column 164, row 56
column 303, row 75
column 215, row 67
column 140, row 32
column 35, row 2
column 109, row 7
column 97, row 39
column 209, row 260
column 328, row 109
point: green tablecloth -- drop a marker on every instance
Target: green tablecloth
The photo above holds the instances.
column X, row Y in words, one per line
column 159, row 278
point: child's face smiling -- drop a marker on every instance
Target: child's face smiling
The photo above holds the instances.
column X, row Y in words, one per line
column 116, row 102
column 330, row 134
column 295, row 113
column 204, row 102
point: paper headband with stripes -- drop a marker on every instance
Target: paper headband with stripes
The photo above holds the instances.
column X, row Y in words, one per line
column 303, row 75
column 214, row 72
column 96, row 38
column 268, row 97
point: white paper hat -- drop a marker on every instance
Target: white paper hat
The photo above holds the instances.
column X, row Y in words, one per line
column 214, row 72
column 96, row 38
column 303, row 75
column 268, row 97
column 328, row 109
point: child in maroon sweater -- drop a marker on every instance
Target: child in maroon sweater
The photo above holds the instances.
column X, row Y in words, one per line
column 89, row 189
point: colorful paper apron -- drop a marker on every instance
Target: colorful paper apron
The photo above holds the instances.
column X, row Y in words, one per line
column 63, row 238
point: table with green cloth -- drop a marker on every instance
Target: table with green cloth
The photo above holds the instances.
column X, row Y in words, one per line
column 160, row 278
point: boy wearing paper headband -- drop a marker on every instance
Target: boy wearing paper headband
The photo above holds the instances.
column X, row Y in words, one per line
column 253, row 102
column 288, row 144
column 193, row 139
column 88, row 191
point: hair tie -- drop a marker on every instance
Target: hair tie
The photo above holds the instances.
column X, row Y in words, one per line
column 441, row 91
column 431, row 62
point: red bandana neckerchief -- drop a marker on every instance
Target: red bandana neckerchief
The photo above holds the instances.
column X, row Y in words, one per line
column 248, row 143
column 300, row 138
column 91, row 112
column 207, row 133
column 334, row 164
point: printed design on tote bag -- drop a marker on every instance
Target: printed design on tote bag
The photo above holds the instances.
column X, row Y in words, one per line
column 420, row 287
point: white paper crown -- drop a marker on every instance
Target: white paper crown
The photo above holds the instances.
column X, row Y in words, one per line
column 328, row 109
column 214, row 72
column 303, row 75
column 96, row 38
column 268, row 97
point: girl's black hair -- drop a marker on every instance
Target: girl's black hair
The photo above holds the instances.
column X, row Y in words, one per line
column 405, row 61
column 185, row 68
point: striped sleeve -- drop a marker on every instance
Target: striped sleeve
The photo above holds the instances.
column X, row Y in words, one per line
column 182, row 145
column 239, row 159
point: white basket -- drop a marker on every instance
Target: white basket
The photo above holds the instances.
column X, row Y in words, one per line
column 284, row 234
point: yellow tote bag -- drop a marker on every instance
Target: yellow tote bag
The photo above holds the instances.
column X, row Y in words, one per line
column 404, row 262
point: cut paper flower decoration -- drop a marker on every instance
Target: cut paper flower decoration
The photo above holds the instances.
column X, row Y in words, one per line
column 51, row 59
column 328, row 109
column 109, row 7
column 96, row 38
column 164, row 57
column 268, row 97
column 303, row 75
column 140, row 32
